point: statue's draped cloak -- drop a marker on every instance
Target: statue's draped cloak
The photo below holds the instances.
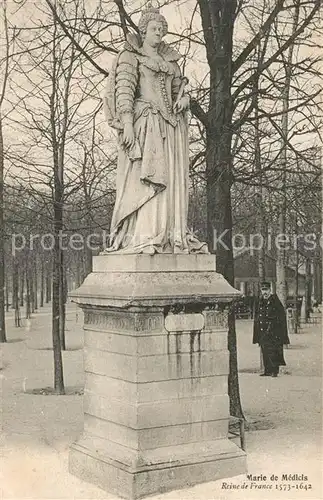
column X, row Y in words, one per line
column 152, row 178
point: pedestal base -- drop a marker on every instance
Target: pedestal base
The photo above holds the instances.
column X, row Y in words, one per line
column 156, row 408
column 156, row 471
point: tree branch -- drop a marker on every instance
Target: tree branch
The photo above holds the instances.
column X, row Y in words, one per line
column 122, row 15
column 77, row 45
column 125, row 18
column 199, row 112
column 282, row 49
column 255, row 41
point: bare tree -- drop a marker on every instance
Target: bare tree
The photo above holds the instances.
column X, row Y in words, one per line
column 281, row 253
column 57, row 76
column 5, row 73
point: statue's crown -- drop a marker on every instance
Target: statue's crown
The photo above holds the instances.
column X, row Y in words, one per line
column 148, row 14
column 150, row 10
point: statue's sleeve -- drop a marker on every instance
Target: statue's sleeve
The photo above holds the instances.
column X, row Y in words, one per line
column 126, row 84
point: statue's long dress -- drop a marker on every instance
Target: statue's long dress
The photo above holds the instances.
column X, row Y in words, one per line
column 150, row 213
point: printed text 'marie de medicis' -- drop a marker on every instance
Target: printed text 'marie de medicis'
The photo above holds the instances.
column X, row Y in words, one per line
column 273, row 477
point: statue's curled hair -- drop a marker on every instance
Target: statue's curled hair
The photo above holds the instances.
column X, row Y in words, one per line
column 151, row 14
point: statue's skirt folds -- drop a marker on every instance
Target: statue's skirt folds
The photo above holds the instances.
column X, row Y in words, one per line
column 151, row 206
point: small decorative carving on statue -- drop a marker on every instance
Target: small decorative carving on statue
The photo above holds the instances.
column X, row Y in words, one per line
column 146, row 102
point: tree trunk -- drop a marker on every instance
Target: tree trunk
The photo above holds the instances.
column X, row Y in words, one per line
column 318, row 281
column 42, row 281
column 35, row 273
column 296, row 319
column 281, row 250
column 217, row 21
column 77, row 271
column 28, row 305
column 317, row 270
column 56, row 278
column 281, row 283
column 260, row 224
column 57, row 253
column 2, row 238
column 308, row 288
column 62, row 313
column 15, row 291
column 7, row 294
column 58, row 361
column 48, row 283
column 31, row 287
column 56, row 311
column 88, row 267
column 296, row 315
column 22, row 286
column 88, row 251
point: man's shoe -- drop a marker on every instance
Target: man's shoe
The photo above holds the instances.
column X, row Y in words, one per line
column 265, row 374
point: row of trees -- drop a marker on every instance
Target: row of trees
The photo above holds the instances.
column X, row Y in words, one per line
column 255, row 164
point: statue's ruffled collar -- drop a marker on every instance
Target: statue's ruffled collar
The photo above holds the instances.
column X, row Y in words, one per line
column 134, row 44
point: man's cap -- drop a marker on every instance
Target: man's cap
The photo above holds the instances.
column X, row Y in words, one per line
column 265, row 285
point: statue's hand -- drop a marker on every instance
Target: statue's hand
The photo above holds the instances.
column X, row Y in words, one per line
column 182, row 104
column 128, row 135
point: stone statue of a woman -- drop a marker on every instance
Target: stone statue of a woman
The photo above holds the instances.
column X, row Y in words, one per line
column 145, row 101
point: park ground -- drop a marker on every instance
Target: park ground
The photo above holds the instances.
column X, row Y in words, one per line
column 284, row 427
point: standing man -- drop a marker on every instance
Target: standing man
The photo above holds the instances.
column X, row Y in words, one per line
column 270, row 330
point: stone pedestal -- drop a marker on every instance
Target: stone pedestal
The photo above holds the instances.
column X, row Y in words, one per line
column 156, row 404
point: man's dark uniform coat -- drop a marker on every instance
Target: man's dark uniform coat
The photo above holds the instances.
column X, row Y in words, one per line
column 270, row 332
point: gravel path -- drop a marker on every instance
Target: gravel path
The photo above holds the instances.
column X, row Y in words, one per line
column 283, row 417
